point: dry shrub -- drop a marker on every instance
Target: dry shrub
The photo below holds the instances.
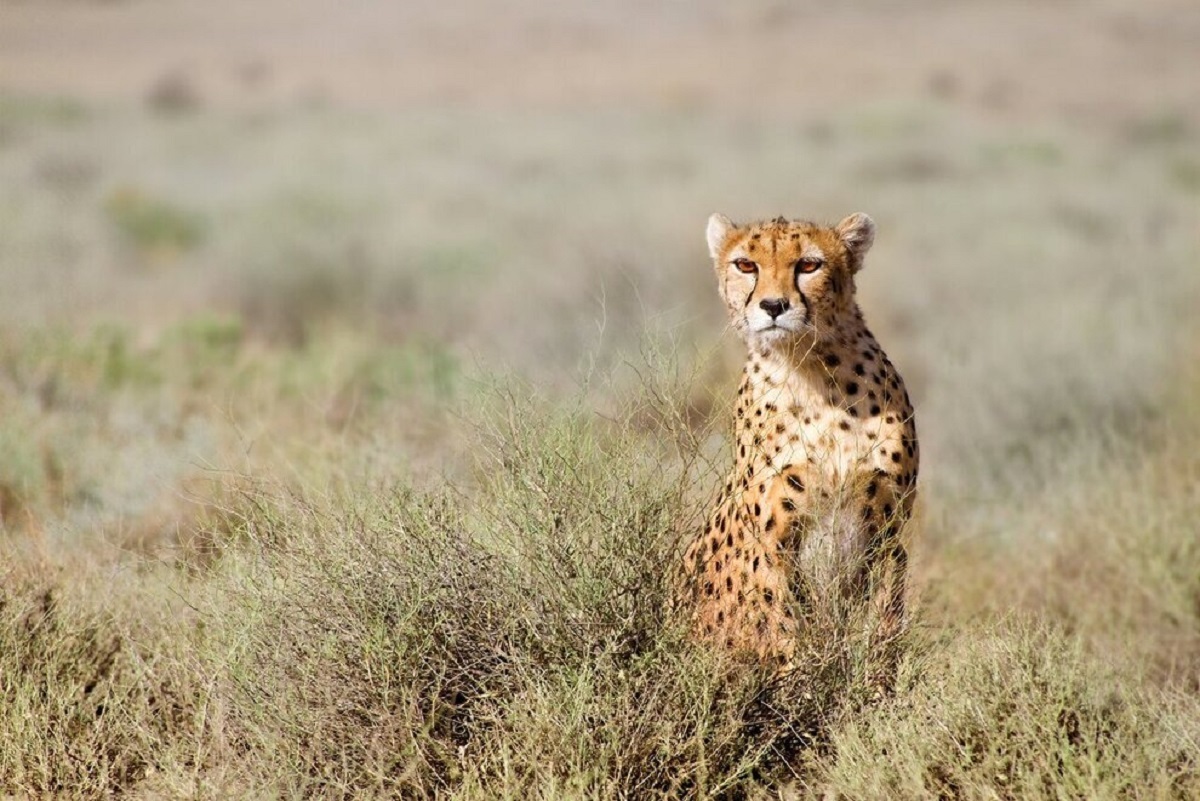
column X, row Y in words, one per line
column 511, row 634
column 85, row 702
column 515, row 639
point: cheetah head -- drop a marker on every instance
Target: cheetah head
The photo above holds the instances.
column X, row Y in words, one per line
column 784, row 281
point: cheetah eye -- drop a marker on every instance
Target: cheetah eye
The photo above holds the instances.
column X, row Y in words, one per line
column 809, row 264
column 745, row 265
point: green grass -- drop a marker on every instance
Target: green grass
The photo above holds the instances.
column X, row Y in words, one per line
column 153, row 226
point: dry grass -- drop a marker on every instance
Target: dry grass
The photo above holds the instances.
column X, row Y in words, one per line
column 509, row 636
column 348, row 453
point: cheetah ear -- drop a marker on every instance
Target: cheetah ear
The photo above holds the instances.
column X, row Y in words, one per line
column 858, row 232
column 719, row 228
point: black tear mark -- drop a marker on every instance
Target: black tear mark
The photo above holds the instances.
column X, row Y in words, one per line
column 807, row 308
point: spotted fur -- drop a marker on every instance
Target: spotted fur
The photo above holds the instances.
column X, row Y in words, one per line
column 825, row 444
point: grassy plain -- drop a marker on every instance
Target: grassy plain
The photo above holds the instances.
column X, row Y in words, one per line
column 344, row 447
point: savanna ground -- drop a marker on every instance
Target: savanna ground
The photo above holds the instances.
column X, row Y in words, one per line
column 360, row 374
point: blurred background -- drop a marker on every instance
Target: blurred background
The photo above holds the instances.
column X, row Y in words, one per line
column 266, row 265
column 245, row 234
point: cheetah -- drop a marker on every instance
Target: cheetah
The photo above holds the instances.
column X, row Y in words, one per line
column 825, row 445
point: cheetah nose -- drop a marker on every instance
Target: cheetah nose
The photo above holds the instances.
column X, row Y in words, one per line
column 774, row 306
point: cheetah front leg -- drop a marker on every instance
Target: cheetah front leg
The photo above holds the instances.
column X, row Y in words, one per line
column 889, row 584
